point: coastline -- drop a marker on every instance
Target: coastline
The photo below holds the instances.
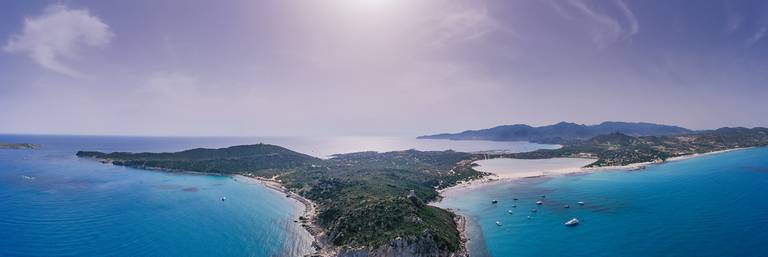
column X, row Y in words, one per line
column 493, row 178
column 321, row 246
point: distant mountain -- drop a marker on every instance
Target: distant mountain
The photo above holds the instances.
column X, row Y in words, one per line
column 561, row 132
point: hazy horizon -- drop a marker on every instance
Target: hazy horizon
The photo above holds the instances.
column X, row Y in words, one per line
column 328, row 135
column 376, row 67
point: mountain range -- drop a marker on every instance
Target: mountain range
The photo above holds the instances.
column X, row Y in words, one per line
column 562, row 132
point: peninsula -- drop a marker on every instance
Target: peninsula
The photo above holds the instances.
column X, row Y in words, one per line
column 373, row 204
column 619, row 149
column 368, row 203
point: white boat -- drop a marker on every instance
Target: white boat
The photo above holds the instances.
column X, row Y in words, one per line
column 498, row 223
column 534, row 210
column 509, row 211
column 529, row 217
column 223, row 199
column 580, row 203
column 572, row 222
column 539, row 202
column 566, row 206
column 494, row 201
column 514, row 206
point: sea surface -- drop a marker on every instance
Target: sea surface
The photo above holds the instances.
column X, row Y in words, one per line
column 713, row 205
column 55, row 204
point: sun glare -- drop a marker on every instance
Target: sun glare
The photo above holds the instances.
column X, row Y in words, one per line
column 370, row 6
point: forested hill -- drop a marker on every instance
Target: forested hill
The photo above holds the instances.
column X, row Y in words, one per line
column 367, row 202
column 561, row 132
column 260, row 159
column 617, row 149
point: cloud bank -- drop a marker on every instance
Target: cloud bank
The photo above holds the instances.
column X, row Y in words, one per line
column 58, row 34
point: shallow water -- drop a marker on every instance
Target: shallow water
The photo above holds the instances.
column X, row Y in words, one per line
column 55, row 204
column 706, row 206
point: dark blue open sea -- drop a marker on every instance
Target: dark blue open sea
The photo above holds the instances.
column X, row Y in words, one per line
column 55, row 204
column 713, row 205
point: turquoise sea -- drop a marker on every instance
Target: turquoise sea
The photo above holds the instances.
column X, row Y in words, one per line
column 55, row 204
column 712, row 205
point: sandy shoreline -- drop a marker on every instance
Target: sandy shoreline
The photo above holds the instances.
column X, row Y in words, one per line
column 496, row 178
column 307, row 220
column 558, row 171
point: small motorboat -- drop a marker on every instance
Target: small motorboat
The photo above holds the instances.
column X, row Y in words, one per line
column 509, row 211
column 572, row 222
column 566, row 206
column 223, row 198
column 534, row 210
column 539, row 202
column 494, row 202
column 529, row 216
column 498, row 223
column 580, row 203
column 514, row 199
column 543, row 196
column 514, row 206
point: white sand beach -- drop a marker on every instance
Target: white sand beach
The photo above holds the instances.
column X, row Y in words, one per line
column 506, row 168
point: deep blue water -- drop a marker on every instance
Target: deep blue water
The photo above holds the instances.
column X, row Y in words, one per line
column 80, row 207
column 707, row 206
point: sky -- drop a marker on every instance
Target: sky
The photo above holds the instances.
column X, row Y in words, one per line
column 376, row 67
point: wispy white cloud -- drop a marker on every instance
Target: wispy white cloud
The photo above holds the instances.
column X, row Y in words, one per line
column 59, row 33
column 607, row 30
column 458, row 24
column 733, row 21
column 634, row 25
column 759, row 35
column 604, row 28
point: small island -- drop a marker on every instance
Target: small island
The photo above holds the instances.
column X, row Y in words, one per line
column 374, row 204
column 19, row 146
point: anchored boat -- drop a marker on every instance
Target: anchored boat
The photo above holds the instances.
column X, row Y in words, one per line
column 572, row 222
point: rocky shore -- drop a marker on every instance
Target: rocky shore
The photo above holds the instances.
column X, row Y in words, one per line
column 322, row 247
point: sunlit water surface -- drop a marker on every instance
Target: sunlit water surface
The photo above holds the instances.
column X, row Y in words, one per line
column 55, row 204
